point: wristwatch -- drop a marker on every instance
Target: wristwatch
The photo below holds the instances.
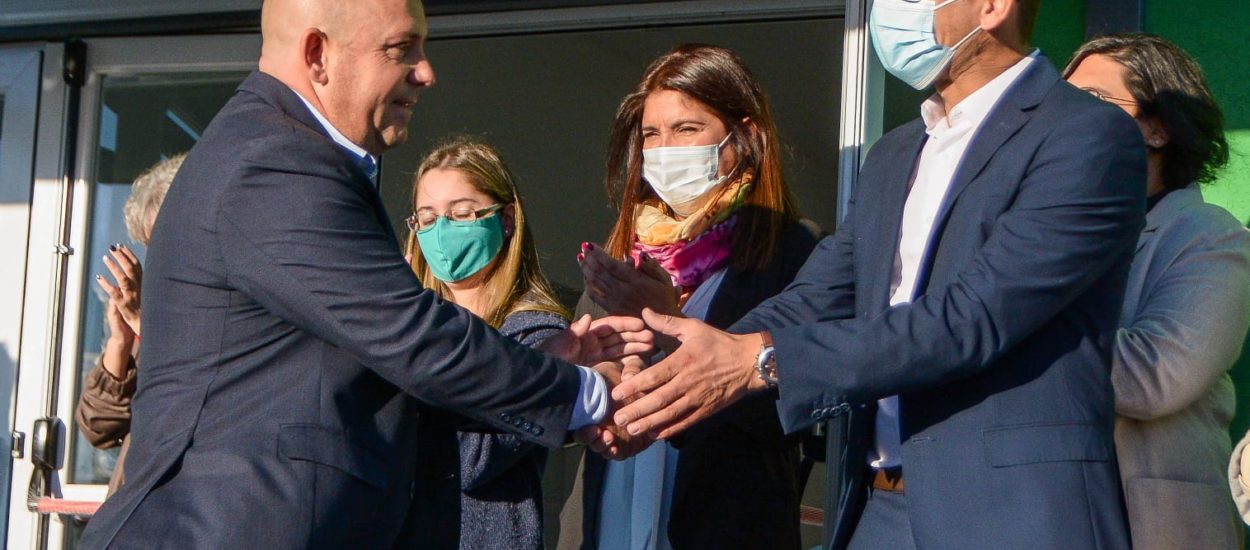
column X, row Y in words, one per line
column 766, row 362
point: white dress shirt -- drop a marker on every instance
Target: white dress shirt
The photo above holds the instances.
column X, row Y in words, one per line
column 950, row 133
column 592, row 398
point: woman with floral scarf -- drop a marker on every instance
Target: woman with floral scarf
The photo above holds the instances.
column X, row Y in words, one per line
column 708, row 229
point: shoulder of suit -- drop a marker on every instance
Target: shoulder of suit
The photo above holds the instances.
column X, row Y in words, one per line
column 901, row 134
column 259, row 130
column 803, row 233
column 1205, row 219
column 1067, row 107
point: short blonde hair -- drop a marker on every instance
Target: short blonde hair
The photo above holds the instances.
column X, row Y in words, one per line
column 147, row 194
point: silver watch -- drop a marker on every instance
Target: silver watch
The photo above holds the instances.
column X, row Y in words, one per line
column 766, row 365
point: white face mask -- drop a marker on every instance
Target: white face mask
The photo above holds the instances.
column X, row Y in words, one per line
column 680, row 175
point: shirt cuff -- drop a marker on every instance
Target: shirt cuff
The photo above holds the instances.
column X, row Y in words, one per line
column 592, row 400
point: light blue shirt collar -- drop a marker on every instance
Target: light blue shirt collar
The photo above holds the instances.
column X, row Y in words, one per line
column 367, row 162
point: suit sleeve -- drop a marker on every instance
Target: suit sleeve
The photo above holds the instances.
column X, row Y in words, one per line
column 1078, row 211
column 1189, row 329
column 484, row 457
column 299, row 236
column 823, row 289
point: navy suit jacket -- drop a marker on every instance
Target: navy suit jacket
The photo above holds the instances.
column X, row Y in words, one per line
column 1002, row 361
column 286, row 347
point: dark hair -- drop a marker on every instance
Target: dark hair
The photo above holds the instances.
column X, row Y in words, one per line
column 716, row 77
column 1168, row 85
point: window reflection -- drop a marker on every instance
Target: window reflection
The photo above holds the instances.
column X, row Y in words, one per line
column 143, row 119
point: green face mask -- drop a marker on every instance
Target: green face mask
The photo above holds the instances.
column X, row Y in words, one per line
column 457, row 250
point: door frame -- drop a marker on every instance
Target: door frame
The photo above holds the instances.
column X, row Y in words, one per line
column 51, row 320
column 20, row 75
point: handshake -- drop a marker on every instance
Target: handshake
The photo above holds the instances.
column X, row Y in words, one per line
column 701, row 371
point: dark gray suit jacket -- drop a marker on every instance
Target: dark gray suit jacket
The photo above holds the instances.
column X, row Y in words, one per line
column 288, row 344
column 1002, row 363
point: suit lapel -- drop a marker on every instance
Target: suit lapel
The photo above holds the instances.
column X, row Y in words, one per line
column 1014, row 109
column 1011, row 113
column 1168, row 207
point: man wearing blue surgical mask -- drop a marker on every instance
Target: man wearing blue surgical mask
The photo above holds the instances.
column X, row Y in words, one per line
column 960, row 320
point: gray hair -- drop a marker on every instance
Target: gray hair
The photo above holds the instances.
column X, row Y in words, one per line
column 147, row 194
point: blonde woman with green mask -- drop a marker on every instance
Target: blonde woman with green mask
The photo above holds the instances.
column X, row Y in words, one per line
column 469, row 242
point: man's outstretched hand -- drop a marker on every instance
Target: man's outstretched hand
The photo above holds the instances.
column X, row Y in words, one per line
column 710, row 371
column 607, row 438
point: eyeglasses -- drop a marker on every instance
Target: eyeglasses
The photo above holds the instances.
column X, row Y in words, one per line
column 424, row 219
column 1110, row 99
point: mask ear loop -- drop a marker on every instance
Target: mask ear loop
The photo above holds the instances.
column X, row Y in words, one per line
column 720, row 148
column 966, row 37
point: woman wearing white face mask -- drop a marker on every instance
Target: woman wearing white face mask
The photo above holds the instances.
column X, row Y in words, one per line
column 707, row 229
column 471, row 245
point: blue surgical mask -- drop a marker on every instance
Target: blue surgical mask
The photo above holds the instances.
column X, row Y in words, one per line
column 906, row 42
column 457, row 250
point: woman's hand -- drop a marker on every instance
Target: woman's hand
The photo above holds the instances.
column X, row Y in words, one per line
column 622, row 288
column 588, row 342
column 122, row 309
column 128, row 274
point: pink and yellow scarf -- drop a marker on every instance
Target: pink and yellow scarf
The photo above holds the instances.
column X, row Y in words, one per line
column 694, row 248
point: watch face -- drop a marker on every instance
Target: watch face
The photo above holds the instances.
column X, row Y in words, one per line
column 766, row 366
column 767, row 355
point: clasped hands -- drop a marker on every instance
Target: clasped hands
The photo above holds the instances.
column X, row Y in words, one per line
column 708, row 371
column 703, row 370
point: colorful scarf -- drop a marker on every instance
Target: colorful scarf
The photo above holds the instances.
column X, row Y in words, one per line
column 693, row 249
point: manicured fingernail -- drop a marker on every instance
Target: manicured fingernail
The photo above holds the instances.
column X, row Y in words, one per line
column 585, row 246
column 590, row 246
column 98, row 276
column 113, row 247
column 581, row 257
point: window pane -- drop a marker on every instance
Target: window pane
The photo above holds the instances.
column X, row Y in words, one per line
column 547, row 101
column 143, row 120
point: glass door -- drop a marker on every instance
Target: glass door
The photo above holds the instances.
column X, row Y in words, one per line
column 19, row 100
column 143, row 100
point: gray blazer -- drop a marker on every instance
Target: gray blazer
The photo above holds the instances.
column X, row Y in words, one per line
column 1185, row 316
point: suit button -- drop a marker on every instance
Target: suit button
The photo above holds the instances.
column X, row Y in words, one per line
column 538, row 430
column 527, row 426
column 505, row 417
column 517, row 422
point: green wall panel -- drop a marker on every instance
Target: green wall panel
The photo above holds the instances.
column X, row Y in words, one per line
column 1060, row 29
